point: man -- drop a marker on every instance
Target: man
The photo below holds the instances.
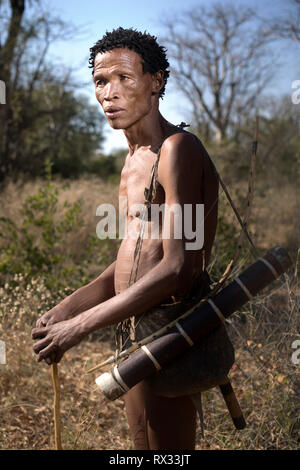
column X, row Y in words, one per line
column 130, row 74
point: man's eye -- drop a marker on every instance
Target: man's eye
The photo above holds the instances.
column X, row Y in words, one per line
column 123, row 77
column 100, row 82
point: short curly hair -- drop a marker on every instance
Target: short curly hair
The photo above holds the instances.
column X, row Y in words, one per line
column 153, row 56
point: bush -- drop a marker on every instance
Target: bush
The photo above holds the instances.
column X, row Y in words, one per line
column 38, row 245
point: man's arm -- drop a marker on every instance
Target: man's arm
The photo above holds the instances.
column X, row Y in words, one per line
column 97, row 291
column 179, row 174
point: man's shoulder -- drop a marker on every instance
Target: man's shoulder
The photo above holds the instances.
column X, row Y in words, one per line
column 181, row 148
column 180, row 138
column 184, row 156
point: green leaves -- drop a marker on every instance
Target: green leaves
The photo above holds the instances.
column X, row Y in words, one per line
column 36, row 243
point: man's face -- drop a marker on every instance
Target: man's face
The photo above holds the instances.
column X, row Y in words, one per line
column 122, row 89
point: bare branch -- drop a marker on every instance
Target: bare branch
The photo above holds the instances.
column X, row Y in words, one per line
column 288, row 25
column 219, row 55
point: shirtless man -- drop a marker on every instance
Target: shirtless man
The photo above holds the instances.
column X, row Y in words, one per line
column 130, row 74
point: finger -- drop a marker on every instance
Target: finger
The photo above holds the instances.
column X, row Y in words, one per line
column 39, row 333
column 41, row 323
column 48, row 361
column 58, row 357
column 39, row 345
column 47, row 352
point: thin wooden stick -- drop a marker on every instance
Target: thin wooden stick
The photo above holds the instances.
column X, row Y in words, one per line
column 232, row 404
column 56, row 406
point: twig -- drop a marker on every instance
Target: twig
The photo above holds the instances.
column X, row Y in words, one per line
column 56, row 406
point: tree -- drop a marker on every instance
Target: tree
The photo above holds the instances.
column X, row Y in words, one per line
column 279, row 141
column 288, row 25
column 43, row 116
column 6, row 57
column 68, row 132
column 220, row 62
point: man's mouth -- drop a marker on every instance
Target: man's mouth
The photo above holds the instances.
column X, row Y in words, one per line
column 113, row 112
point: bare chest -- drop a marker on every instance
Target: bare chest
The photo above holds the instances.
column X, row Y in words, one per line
column 135, row 177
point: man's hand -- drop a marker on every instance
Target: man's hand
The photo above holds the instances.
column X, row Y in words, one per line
column 54, row 340
column 55, row 315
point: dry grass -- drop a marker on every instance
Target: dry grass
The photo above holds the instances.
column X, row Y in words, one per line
column 91, row 189
column 277, row 217
column 263, row 376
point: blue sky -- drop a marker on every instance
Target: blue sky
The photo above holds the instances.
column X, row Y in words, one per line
column 98, row 16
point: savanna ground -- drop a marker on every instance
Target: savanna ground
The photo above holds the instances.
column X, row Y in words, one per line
column 265, row 379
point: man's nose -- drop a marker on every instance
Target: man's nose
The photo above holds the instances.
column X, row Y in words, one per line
column 111, row 91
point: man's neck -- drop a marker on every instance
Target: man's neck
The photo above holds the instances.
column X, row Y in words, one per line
column 148, row 132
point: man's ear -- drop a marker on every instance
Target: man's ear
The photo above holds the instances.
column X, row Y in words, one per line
column 157, row 82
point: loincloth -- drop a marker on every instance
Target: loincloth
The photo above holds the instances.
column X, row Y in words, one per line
column 203, row 365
